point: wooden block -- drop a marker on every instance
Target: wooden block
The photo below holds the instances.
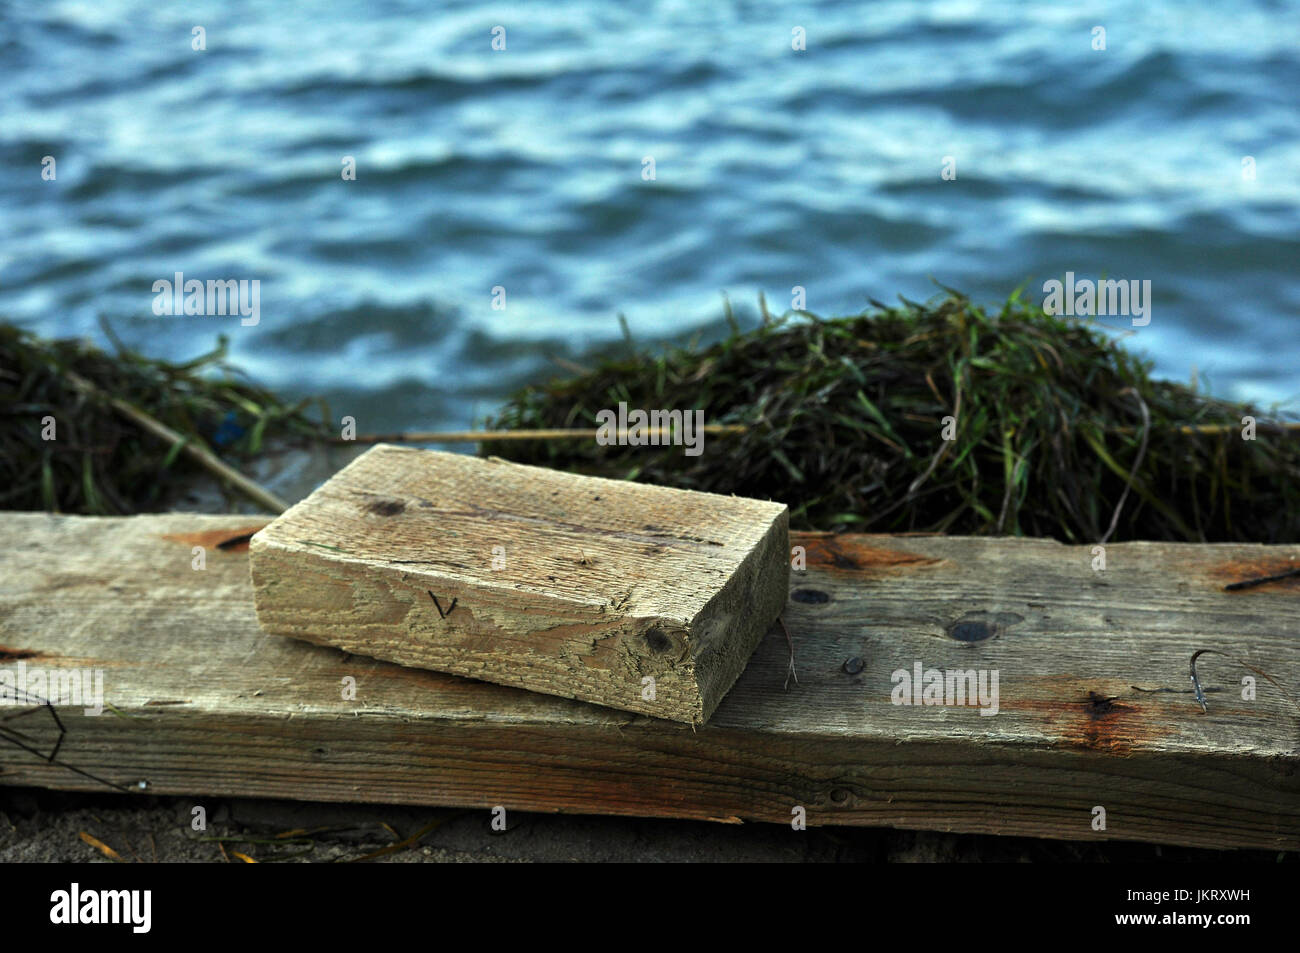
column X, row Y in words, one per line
column 638, row 597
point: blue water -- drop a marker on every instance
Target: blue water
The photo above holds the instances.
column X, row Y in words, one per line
column 524, row 169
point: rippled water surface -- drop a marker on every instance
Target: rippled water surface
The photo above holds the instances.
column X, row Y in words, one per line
column 524, row 169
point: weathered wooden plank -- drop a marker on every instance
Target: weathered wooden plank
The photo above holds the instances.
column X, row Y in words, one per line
column 1094, row 702
column 643, row 598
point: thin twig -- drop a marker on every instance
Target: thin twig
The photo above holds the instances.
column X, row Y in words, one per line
column 1284, row 426
column 943, row 448
column 1006, row 496
column 790, row 672
column 1141, row 454
column 408, row 842
column 258, row 494
column 581, row 433
column 484, row 436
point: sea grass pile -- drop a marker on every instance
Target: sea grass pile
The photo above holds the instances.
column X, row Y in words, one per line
column 65, row 448
column 938, row 417
column 1058, row 430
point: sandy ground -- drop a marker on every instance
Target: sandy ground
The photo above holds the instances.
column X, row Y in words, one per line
column 37, row 826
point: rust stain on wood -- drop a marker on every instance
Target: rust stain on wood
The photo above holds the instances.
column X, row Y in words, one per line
column 1107, row 724
column 235, row 540
column 1244, row 570
column 8, row 654
column 1096, row 719
column 848, row 554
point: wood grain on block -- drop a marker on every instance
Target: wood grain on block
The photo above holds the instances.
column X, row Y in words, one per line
column 1094, row 710
column 638, row 597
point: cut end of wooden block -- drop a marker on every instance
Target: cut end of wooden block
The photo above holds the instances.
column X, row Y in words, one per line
column 638, row 597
